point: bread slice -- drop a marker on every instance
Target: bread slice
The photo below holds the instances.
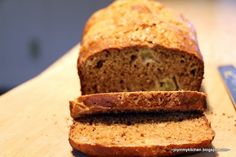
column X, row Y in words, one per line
column 139, row 45
column 140, row 134
column 138, row 102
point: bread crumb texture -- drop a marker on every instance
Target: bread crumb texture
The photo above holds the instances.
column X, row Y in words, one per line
column 138, row 130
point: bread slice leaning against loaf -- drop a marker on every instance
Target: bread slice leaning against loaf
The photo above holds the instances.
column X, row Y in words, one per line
column 141, row 134
column 146, row 101
column 139, row 45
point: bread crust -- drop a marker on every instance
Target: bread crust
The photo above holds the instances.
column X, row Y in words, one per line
column 138, row 102
column 138, row 23
column 102, row 150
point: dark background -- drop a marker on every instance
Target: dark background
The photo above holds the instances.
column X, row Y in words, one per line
column 35, row 33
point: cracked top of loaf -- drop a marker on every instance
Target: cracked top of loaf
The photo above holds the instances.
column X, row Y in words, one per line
column 137, row 23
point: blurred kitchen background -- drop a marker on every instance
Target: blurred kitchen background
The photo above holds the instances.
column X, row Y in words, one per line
column 35, row 33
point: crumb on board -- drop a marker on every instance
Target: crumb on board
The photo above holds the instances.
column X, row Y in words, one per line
column 223, row 114
column 67, row 118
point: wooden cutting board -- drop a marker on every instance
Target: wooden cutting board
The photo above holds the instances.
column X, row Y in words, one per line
column 34, row 117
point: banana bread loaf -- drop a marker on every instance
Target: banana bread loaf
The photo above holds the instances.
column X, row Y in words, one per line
column 141, row 134
column 147, row 101
column 139, row 45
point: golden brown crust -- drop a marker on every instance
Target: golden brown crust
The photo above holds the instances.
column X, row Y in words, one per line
column 102, row 150
column 138, row 23
column 138, row 101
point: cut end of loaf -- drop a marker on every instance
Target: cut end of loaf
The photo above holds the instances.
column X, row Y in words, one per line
column 140, row 69
column 140, row 134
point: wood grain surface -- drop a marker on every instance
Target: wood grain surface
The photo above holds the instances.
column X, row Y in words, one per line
column 34, row 117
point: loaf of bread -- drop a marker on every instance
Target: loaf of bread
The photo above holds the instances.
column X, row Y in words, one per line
column 139, row 45
column 140, row 71
column 147, row 101
column 141, row 134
